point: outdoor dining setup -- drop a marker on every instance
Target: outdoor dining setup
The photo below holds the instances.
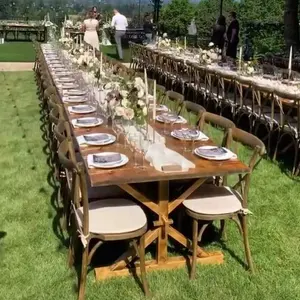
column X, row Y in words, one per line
column 260, row 98
column 136, row 161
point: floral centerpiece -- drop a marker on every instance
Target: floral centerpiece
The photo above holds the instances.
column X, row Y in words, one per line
column 247, row 68
column 163, row 42
column 213, row 54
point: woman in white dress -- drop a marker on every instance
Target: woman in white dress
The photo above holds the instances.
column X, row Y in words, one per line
column 90, row 28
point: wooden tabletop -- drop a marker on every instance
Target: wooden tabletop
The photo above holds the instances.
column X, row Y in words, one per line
column 129, row 174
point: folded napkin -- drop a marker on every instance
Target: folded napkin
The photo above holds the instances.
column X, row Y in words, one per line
column 162, row 158
column 212, row 152
column 215, row 153
column 109, row 158
column 81, row 107
column 96, row 137
column 87, row 121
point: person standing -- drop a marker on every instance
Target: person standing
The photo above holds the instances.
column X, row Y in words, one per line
column 119, row 23
column 219, row 30
column 148, row 28
column 233, row 36
column 90, row 28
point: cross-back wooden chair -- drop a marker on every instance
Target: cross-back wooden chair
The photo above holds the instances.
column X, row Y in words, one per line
column 102, row 221
column 267, row 114
column 176, row 101
column 245, row 115
column 212, row 203
column 218, row 122
column 194, row 111
column 289, row 132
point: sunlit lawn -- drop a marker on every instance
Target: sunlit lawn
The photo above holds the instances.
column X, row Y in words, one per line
column 17, row 52
column 33, row 259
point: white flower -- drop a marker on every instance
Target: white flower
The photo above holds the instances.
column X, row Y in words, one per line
column 141, row 93
column 165, row 35
column 81, row 50
column 125, row 103
column 141, row 103
column 90, row 65
column 120, row 111
column 113, row 103
column 145, row 111
column 250, row 70
column 128, row 114
column 211, row 44
column 124, row 93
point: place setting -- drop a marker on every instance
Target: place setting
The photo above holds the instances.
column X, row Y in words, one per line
column 170, row 118
column 96, row 139
column 81, row 109
column 215, row 153
column 106, row 160
column 87, row 122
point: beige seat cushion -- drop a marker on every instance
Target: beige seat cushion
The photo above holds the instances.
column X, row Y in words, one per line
column 212, row 200
column 113, row 216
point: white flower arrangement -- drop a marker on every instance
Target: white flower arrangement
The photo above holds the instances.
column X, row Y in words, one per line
column 163, row 42
column 68, row 24
column 207, row 57
column 247, row 68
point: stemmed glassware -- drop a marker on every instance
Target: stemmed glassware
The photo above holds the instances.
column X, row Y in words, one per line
column 144, row 146
column 117, row 129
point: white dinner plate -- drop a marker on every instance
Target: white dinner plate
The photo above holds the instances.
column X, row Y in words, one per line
column 124, row 160
column 201, row 137
column 228, row 155
column 87, row 125
column 76, row 92
column 82, row 109
column 180, row 120
column 66, row 80
column 110, row 139
column 75, row 99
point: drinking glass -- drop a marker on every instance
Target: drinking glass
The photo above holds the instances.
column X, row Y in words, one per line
column 133, row 140
column 194, row 134
column 144, row 145
column 117, row 129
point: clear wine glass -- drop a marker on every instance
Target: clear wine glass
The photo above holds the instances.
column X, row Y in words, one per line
column 144, row 145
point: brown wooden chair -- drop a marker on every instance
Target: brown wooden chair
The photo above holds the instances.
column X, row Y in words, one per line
column 103, row 221
column 176, row 101
column 217, row 122
column 194, row 111
column 211, row 203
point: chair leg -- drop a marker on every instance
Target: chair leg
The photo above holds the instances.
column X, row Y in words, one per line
column 223, row 234
column 82, row 280
column 141, row 249
column 243, row 221
column 194, row 245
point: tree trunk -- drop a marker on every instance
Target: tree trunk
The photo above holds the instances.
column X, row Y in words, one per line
column 291, row 23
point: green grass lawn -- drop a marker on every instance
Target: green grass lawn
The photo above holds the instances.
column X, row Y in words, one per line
column 111, row 51
column 33, row 262
column 17, row 52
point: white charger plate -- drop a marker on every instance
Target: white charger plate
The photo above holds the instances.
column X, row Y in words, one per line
column 111, row 139
column 201, row 137
column 226, row 156
column 76, row 92
column 124, row 160
column 89, row 109
column 75, row 124
column 180, row 120
column 75, row 99
column 65, row 80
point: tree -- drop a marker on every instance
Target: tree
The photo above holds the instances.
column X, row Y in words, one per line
column 291, row 23
column 176, row 16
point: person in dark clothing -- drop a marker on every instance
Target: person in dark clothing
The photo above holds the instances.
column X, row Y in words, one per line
column 219, row 30
column 148, row 28
column 233, row 36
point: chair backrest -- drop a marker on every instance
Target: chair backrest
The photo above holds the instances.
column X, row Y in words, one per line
column 195, row 109
column 79, row 187
column 219, row 122
column 177, row 100
column 257, row 148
